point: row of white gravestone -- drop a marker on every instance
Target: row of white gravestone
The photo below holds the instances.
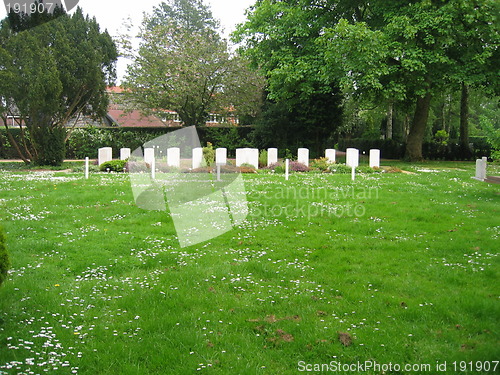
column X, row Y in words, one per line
column 248, row 156
column 106, row 154
column 352, row 158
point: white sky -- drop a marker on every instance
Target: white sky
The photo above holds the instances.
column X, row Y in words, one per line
column 110, row 14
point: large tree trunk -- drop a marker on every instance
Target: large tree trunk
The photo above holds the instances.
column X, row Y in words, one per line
column 464, row 123
column 14, row 143
column 417, row 129
column 390, row 115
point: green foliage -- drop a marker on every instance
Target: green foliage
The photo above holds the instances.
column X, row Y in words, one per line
column 4, row 257
column 50, row 145
column 493, row 136
column 21, row 21
column 114, row 166
column 190, row 15
column 51, row 74
column 262, row 158
column 278, row 167
column 389, row 148
column 231, row 137
column 344, row 169
column 85, row 142
column 287, row 154
column 182, row 64
column 323, row 164
column 340, row 168
column 442, row 137
column 209, row 154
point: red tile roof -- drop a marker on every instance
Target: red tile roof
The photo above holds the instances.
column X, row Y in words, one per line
column 135, row 119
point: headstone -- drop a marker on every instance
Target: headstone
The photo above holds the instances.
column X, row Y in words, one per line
column 287, row 166
column 253, row 157
column 330, row 155
column 247, row 156
column 375, row 158
column 153, row 168
column 353, row 173
column 303, row 156
column 272, row 156
column 174, row 157
column 241, row 156
column 124, row 153
column 352, row 157
column 105, row 154
column 221, row 156
column 481, row 169
column 197, row 160
column 149, row 155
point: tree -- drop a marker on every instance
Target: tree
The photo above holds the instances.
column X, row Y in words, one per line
column 280, row 38
column 52, row 73
column 183, row 65
column 377, row 51
column 188, row 15
column 419, row 50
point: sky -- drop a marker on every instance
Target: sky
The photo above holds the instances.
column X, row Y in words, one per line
column 111, row 14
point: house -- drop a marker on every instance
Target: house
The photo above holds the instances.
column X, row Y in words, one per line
column 118, row 115
column 122, row 116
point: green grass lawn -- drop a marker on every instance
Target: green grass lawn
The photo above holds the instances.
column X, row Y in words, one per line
column 393, row 268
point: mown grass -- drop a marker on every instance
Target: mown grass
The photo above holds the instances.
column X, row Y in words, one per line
column 406, row 264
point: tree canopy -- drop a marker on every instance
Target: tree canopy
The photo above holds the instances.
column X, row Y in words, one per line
column 377, row 51
column 52, row 73
column 183, row 65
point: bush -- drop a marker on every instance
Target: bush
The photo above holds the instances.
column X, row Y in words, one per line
column 263, row 158
column 247, row 168
column 4, row 258
column 340, row 168
column 344, row 169
column 321, row 164
column 295, row 166
column 49, row 144
column 275, row 167
column 114, row 166
column 209, row 154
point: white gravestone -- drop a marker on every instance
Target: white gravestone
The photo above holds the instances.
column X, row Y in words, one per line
column 330, row 155
column 303, row 156
column 124, row 153
column 480, row 169
column 149, row 155
column 375, row 158
column 197, row 160
column 253, row 157
column 352, row 157
column 105, row 154
column 272, row 156
column 247, row 156
column 241, row 156
column 174, row 157
column 221, row 156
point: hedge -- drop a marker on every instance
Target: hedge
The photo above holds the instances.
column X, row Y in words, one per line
column 86, row 142
column 391, row 149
